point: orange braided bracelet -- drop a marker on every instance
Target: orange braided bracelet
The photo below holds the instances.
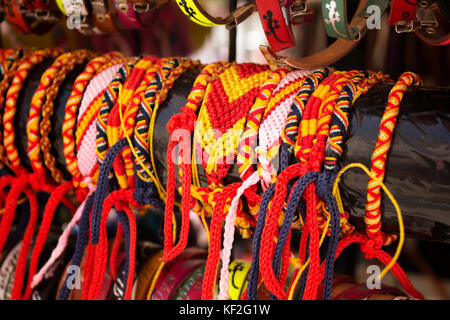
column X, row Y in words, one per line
column 11, row 103
column 372, row 217
column 75, row 58
column 9, row 67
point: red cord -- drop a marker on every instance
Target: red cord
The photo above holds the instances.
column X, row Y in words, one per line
column 113, row 259
column 47, row 218
column 19, row 273
column 215, row 239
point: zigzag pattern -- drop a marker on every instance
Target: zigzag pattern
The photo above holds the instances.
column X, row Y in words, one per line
column 372, row 217
column 246, row 153
column 224, row 108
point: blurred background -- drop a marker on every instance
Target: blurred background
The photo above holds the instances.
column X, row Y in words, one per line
column 173, row 34
column 427, row 263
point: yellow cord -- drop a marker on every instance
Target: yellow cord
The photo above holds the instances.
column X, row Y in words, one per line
column 154, row 280
column 19, row 202
column 152, row 158
column 391, row 198
column 130, row 143
column 202, row 216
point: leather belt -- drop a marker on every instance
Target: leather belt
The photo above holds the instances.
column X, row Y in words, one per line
column 428, row 29
column 335, row 18
column 402, row 14
column 193, row 10
column 333, row 53
column 104, row 16
column 276, row 24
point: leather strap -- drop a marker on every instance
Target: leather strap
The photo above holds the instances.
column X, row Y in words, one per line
column 193, row 10
column 299, row 11
column 16, row 14
column 429, row 30
column 335, row 18
column 15, row 17
column 330, row 55
column 276, row 24
column 141, row 6
column 35, row 4
column 127, row 15
column 169, row 286
column 104, row 17
column 402, row 11
column 146, row 18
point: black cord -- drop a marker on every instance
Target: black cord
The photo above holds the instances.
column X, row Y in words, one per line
column 232, row 36
column 444, row 6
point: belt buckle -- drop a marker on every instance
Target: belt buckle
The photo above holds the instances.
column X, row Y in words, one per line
column 300, row 13
column 427, row 20
column 141, row 7
column 406, row 26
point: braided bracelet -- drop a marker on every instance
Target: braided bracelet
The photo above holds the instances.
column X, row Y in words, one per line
column 184, row 121
column 9, row 66
column 116, row 198
column 147, row 187
column 71, row 111
column 86, row 156
column 85, row 163
column 311, row 112
column 12, row 95
column 17, row 187
column 285, row 254
column 114, row 129
column 106, row 106
column 11, row 105
column 85, row 134
column 308, row 182
column 79, row 57
column 220, row 112
column 269, row 137
column 107, row 102
column 309, row 85
column 343, row 102
column 372, row 218
column 85, row 142
column 59, row 191
column 63, row 64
